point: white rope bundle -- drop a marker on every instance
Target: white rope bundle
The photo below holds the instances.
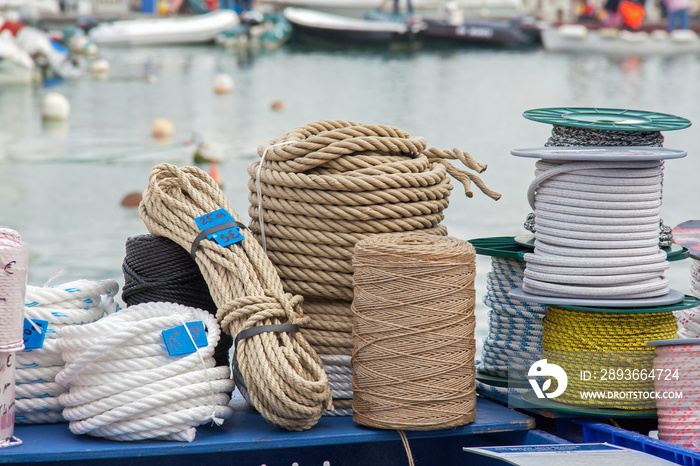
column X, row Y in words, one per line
column 14, row 258
column 514, row 341
column 73, row 303
column 125, row 386
column 689, row 319
column 596, row 231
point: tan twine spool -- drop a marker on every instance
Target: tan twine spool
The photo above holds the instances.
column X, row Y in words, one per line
column 283, row 374
column 414, row 347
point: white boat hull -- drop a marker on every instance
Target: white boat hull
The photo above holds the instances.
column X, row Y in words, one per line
column 16, row 66
column 576, row 38
column 162, row 31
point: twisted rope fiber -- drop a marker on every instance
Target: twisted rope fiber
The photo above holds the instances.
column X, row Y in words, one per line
column 413, row 360
column 73, row 303
column 324, row 186
column 679, row 417
column 689, row 319
column 593, row 238
column 601, row 341
column 156, row 269
column 125, row 401
column 281, row 373
column 514, row 341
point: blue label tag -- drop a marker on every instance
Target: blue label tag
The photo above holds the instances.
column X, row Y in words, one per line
column 178, row 342
column 223, row 237
column 34, row 334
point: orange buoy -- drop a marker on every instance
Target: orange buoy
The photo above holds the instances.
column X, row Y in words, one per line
column 214, row 173
column 131, row 200
column 278, row 106
column 162, row 128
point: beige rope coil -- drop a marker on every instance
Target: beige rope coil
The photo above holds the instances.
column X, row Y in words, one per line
column 329, row 328
column 283, row 375
column 326, row 185
column 413, row 360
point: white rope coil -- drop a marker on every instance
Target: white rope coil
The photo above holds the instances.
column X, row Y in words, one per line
column 677, row 372
column 113, row 395
column 596, row 231
column 514, row 341
column 73, row 303
column 14, row 258
column 689, row 319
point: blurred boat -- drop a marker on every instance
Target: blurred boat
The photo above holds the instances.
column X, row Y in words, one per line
column 257, row 31
column 16, row 66
column 326, row 27
column 579, row 38
column 509, row 32
column 51, row 57
column 162, row 31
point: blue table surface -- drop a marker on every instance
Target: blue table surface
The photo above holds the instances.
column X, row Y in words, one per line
column 246, row 430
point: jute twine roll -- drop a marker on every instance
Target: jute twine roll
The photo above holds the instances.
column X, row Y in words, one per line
column 324, row 186
column 282, row 374
column 413, row 359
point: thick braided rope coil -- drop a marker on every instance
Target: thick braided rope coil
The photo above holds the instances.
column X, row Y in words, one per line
column 324, row 186
column 611, row 345
column 283, row 375
column 69, row 304
column 124, row 384
column 413, row 362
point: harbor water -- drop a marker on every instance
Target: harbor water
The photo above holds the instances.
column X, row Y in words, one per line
column 62, row 183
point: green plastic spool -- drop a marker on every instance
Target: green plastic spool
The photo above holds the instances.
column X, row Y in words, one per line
column 552, row 405
column 686, row 303
column 612, row 119
column 501, row 381
column 500, row 246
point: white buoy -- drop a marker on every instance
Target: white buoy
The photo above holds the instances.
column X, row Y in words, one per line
column 55, row 106
column 162, row 128
column 99, row 67
column 223, row 84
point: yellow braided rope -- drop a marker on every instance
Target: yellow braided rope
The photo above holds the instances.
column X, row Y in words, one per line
column 610, row 348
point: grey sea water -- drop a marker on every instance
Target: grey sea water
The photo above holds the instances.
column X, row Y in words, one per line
column 61, row 184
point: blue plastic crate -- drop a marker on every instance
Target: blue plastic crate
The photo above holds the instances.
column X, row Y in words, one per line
column 594, row 432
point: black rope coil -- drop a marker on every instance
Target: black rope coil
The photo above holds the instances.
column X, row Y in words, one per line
column 157, row 269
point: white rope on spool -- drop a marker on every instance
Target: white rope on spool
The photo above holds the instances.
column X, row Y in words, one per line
column 689, row 319
column 14, row 258
column 514, row 341
column 113, row 395
column 596, row 230
column 339, row 372
column 61, row 306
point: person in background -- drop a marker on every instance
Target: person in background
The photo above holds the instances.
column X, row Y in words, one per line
column 611, row 14
column 677, row 12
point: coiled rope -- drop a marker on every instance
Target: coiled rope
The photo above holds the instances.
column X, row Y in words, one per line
column 324, row 186
column 514, row 341
column 156, row 269
column 281, row 373
column 689, row 319
column 610, row 345
column 596, row 231
column 413, row 362
column 14, row 259
column 677, row 370
column 125, row 386
column 563, row 136
column 61, row 306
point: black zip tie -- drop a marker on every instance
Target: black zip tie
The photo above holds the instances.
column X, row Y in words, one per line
column 216, row 228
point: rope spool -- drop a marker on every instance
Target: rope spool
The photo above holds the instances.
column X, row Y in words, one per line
column 61, row 306
column 514, row 341
column 678, row 372
column 611, row 345
column 280, row 372
column 156, row 269
column 124, row 384
column 689, row 319
column 413, row 360
column 14, row 259
column 324, row 186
